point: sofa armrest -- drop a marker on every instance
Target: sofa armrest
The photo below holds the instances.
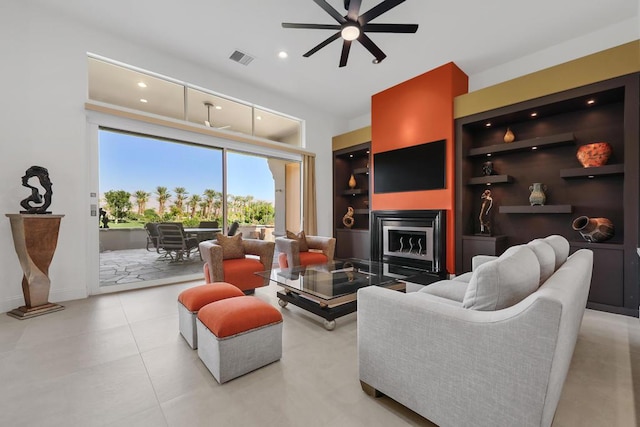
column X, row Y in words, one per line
column 262, row 248
column 478, row 260
column 457, row 366
column 291, row 248
column 211, row 254
column 326, row 244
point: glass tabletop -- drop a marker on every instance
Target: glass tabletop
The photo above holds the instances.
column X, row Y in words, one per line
column 339, row 278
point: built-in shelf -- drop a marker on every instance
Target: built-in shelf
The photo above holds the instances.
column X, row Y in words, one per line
column 583, row 244
column 617, row 169
column 361, row 171
column 354, row 192
column 544, row 209
column 490, row 179
column 525, row 144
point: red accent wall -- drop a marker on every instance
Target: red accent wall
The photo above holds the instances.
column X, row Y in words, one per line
column 417, row 111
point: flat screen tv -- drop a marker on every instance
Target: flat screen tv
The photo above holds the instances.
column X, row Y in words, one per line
column 421, row 167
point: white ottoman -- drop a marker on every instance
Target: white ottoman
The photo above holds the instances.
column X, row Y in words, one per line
column 191, row 300
column 238, row 335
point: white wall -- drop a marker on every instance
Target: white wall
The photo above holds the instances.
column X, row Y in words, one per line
column 43, row 122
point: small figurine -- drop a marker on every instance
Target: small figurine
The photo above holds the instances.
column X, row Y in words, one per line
column 485, row 222
column 347, row 219
column 487, row 168
column 36, row 198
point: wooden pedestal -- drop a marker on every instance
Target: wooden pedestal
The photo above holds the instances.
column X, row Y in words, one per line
column 35, row 238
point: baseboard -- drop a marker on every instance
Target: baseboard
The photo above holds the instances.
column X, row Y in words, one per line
column 58, row 296
column 614, row 309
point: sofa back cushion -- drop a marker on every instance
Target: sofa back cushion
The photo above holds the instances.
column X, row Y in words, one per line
column 546, row 257
column 560, row 246
column 301, row 238
column 232, row 247
column 504, row 281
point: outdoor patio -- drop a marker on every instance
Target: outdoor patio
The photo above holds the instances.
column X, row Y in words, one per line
column 125, row 266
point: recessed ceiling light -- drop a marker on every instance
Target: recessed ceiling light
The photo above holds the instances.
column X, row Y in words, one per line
column 142, row 84
column 591, row 101
column 282, row 54
column 144, row 101
column 217, row 107
column 350, row 155
column 488, row 124
column 488, row 154
column 258, row 117
column 534, row 114
column 534, row 148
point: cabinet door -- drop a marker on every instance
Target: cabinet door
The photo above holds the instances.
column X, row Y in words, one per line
column 481, row 245
column 607, row 278
column 353, row 244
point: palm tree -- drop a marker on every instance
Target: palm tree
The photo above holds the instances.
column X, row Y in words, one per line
column 142, row 197
column 163, row 197
column 209, row 197
column 203, row 208
column 193, row 204
column 181, row 196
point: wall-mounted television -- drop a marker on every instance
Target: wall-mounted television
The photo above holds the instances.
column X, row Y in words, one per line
column 417, row 168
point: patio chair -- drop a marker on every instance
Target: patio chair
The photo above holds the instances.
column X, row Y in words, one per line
column 233, row 229
column 173, row 240
column 152, row 235
column 207, row 235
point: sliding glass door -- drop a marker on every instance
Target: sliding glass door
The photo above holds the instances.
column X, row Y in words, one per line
column 145, row 180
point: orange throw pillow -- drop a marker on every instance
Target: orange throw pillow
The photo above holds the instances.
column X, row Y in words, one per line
column 232, row 247
column 301, row 238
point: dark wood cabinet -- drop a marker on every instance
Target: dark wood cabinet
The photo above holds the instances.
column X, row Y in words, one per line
column 548, row 131
column 481, row 245
column 351, row 162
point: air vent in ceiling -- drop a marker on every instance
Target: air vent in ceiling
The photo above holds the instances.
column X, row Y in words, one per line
column 241, row 57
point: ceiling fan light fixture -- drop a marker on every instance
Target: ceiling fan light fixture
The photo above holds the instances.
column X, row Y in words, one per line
column 350, row 31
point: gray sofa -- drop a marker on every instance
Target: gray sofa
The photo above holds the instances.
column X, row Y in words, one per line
column 490, row 349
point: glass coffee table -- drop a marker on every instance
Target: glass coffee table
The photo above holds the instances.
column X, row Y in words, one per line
column 330, row 290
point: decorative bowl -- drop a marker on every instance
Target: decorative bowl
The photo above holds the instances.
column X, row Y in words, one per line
column 595, row 154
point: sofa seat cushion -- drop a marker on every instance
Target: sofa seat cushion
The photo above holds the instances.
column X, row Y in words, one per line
column 312, row 257
column 546, row 258
column 504, row 281
column 465, row 277
column 240, row 272
column 449, row 289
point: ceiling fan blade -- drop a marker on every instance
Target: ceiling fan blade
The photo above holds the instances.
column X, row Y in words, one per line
column 390, row 28
column 346, row 46
column 323, row 44
column 378, row 10
column 354, row 10
column 331, row 11
column 372, row 47
column 311, row 26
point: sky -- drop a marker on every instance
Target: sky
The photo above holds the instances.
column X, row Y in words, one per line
column 130, row 162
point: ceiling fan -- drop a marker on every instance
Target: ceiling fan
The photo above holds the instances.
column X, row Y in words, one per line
column 353, row 26
column 208, row 123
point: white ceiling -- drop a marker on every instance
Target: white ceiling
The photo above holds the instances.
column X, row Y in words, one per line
column 476, row 35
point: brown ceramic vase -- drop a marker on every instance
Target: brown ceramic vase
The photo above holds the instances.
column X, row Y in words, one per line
column 593, row 155
column 593, row 229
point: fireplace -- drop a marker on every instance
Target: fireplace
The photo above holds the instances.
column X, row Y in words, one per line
column 413, row 238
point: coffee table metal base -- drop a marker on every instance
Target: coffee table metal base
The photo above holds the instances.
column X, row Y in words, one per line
column 329, row 314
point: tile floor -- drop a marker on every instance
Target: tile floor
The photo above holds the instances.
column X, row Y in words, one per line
column 118, row 360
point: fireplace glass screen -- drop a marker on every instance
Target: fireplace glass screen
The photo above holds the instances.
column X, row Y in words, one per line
column 408, row 242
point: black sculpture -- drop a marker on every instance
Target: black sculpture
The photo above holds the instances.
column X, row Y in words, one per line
column 36, row 198
column 104, row 218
